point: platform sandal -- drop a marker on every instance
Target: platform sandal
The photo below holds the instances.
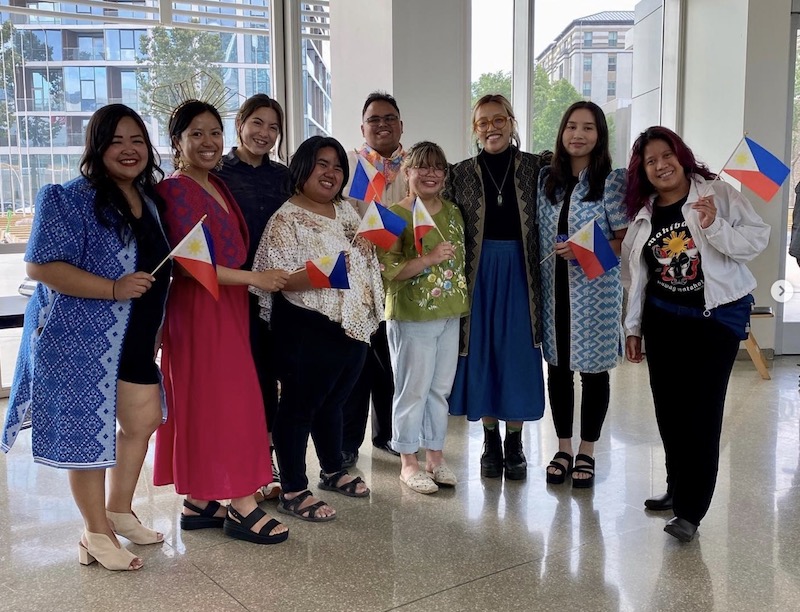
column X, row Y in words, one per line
column 583, row 483
column 241, row 527
column 562, row 471
column 205, row 518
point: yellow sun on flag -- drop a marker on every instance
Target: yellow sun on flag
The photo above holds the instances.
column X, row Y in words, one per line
column 741, row 158
column 194, row 246
column 675, row 244
column 326, row 260
column 372, row 220
column 583, row 237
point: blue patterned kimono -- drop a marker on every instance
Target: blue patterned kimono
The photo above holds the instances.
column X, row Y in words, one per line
column 595, row 335
column 66, row 374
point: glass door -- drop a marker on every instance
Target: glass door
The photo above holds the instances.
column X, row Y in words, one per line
column 788, row 342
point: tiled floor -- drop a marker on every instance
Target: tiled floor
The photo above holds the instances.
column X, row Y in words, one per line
column 486, row 545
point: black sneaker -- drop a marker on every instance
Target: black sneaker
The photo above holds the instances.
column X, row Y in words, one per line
column 349, row 459
column 385, row 446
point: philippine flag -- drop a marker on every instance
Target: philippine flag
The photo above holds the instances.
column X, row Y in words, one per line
column 381, row 226
column 328, row 272
column 368, row 183
column 423, row 223
column 593, row 250
column 757, row 169
column 196, row 254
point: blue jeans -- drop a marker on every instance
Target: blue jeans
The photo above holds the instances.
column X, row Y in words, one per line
column 424, row 358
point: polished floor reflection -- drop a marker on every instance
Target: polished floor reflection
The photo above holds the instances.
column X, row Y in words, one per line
column 486, row 545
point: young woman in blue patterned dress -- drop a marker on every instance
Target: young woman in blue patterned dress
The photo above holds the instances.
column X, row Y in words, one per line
column 91, row 328
column 582, row 318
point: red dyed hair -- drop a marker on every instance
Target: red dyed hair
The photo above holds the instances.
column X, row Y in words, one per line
column 639, row 187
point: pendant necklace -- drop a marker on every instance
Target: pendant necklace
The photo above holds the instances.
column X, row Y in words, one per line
column 503, row 183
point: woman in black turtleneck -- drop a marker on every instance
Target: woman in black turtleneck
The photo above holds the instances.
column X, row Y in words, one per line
column 499, row 376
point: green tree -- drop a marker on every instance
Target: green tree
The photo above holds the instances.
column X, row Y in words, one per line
column 550, row 100
column 16, row 48
column 171, row 57
column 492, row 83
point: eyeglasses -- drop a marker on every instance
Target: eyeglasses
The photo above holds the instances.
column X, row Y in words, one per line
column 378, row 119
column 498, row 121
column 435, row 170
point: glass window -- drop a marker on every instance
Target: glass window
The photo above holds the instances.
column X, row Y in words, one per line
column 587, row 39
column 587, row 89
column 129, row 88
column 256, row 80
column 612, row 89
column 587, row 63
column 612, row 62
column 256, row 49
column 612, row 39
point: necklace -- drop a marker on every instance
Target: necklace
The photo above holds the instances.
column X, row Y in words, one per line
column 503, row 183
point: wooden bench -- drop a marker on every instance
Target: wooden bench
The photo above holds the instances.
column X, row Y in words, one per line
column 759, row 312
column 12, row 314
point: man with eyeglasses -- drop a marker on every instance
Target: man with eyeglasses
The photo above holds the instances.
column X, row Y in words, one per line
column 382, row 128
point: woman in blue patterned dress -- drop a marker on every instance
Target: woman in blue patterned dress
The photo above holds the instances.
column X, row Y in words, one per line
column 582, row 318
column 91, row 329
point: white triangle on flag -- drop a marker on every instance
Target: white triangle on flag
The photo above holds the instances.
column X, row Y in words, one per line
column 742, row 159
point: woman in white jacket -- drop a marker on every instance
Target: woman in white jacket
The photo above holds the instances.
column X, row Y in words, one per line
column 689, row 297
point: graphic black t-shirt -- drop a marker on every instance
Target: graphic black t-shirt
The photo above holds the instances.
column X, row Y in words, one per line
column 672, row 258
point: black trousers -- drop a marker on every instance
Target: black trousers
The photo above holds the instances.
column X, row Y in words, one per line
column 690, row 362
column 376, row 381
column 318, row 367
column 261, row 345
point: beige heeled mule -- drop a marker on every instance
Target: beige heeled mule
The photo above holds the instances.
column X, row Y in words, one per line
column 128, row 526
column 100, row 548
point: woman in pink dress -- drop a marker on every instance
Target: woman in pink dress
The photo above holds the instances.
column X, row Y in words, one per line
column 214, row 444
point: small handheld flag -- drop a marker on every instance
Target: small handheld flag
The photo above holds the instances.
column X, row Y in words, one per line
column 423, row 223
column 593, row 250
column 757, row 169
column 381, row 226
column 195, row 252
column 368, row 183
column 328, row 272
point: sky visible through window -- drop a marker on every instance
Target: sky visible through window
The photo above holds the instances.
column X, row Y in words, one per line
column 492, row 27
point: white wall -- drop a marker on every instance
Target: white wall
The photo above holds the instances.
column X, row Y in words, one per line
column 646, row 86
column 736, row 80
column 418, row 51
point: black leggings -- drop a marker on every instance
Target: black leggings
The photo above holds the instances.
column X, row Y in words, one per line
column 560, row 387
column 594, row 401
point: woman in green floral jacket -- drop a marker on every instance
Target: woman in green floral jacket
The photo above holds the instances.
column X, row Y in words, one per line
column 426, row 295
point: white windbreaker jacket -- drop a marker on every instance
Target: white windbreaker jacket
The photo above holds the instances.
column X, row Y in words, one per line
column 736, row 236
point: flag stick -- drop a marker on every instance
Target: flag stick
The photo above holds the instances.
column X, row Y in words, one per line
column 178, row 246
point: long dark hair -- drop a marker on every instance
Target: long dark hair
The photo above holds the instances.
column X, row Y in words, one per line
column 110, row 205
column 599, row 159
column 305, row 157
column 182, row 116
column 251, row 105
column 639, row 187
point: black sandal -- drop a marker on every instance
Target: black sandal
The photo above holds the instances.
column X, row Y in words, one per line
column 241, row 527
column 329, row 484
column 561, row 474
column 583, row 483
column 205, row 518
column 309, row 513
